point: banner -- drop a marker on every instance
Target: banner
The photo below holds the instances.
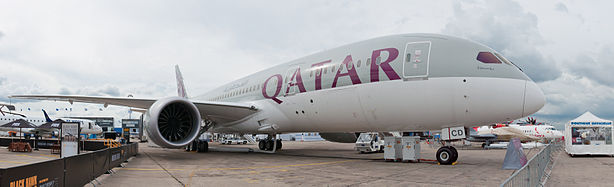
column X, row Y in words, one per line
column 70, row 139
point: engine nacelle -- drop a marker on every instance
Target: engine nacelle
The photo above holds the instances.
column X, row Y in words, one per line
column 172, row 122
column 340, row 137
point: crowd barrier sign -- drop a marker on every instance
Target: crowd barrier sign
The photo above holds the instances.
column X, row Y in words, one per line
column 75, row 170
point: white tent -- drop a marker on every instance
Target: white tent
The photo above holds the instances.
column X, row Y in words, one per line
column 589, row 135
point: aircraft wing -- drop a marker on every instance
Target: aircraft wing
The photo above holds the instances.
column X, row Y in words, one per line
column 220, row 112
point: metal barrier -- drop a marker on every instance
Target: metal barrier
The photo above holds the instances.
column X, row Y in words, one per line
column 76, row 170
column 532, row 173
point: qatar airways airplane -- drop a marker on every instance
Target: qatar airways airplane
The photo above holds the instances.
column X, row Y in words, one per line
column 407, row 82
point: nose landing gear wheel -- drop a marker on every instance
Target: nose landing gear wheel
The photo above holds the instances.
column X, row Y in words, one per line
column 455, row 152
column 446, row 155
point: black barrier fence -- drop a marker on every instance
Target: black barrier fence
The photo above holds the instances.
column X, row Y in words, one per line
column 46, row 144
column 76, row 170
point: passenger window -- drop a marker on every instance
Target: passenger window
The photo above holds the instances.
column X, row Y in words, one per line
column 488, row 58
column 368, row 61
column 332, row 69
column 311, row 73
column 325, row 68
column 378, row 60
column 408, row 58
column 358, row 65
column 341, row 67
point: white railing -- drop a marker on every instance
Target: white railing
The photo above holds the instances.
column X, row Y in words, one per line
column 534, row 171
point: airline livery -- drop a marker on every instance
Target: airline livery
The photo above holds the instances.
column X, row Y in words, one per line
column 408, row 82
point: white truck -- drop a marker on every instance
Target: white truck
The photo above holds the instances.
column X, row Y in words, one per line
column 233, row 140
column 369, row 142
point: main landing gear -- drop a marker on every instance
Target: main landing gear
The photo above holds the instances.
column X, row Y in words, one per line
column 268, row 144
column 446, row 155
column 200, row 146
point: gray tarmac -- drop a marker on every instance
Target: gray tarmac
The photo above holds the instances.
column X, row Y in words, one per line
column 304, row 163
column 323, row 163
column 581, row 171
column 12, row 159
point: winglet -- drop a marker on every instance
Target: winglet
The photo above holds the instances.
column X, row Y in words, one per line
column 180, row 86
column 46, row 116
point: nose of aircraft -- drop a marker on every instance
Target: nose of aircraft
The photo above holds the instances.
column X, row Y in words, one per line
column 533, row 98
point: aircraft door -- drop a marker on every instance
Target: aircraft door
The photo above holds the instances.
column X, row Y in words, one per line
column 416, row 59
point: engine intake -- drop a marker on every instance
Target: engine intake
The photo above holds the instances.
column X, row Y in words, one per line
column 172, row 122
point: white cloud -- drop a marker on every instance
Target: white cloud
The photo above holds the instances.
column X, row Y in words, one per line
column 508, row 28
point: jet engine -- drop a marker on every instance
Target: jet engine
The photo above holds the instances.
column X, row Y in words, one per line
column 340, row 137
column 172, row 122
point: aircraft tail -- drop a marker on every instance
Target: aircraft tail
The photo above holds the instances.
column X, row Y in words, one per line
column 47, row 116
column 180, row 86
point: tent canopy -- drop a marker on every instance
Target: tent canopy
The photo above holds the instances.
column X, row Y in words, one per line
column 20, row 123
column 589, row 117
column 56, row 124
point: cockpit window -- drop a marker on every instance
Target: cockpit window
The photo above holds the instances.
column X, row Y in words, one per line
column 503, row 59
column 488, row 58
column 507, row 61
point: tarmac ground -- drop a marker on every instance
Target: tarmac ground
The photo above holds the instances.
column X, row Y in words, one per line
column 12, row 159
column 304, row 163
column 581, row 170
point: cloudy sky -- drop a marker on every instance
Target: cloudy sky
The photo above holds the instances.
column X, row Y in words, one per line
column 118, row 48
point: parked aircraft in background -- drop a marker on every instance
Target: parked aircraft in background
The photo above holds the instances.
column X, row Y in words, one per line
column 87, row 126
column 408, row 82
column 525, row 133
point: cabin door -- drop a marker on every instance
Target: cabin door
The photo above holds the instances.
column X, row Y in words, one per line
column 416, row 59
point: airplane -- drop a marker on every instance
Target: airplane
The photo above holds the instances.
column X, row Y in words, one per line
column 525, row 133
column 406, row 82
column 87, row 126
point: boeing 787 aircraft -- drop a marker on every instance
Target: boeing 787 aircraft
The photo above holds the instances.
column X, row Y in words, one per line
column 408, row 82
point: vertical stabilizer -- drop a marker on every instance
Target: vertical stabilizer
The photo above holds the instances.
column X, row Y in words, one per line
column 180, row 86
column 47, row 116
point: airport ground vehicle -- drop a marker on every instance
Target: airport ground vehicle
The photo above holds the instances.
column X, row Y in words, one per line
column 369, row 142
column 233, row 141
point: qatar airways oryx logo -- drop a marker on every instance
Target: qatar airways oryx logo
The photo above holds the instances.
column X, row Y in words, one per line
column 295, row 78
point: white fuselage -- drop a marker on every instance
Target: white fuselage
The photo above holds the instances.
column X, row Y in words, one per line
column 536, row 131
column 392, row 83
column 540, row 131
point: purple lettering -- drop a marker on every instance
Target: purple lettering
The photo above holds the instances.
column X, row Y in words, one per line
column 351, row 71
column 319, row 75
column 277, row 90
column 299, row 81
column 393, row 53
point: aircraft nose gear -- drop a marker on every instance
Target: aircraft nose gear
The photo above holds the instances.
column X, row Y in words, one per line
column 447, row 155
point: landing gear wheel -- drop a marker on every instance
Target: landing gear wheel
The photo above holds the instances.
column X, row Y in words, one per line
column 455, row 153
column 262, row 144
column 278, row 147
column 203, row 146
column 269, row 145
column 445, row 156
column 194, row 146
